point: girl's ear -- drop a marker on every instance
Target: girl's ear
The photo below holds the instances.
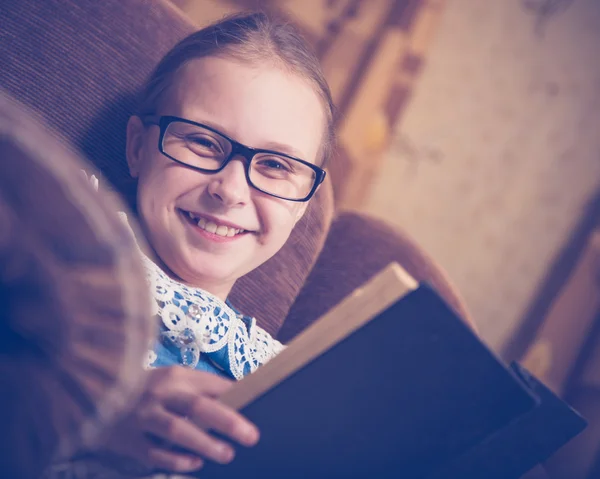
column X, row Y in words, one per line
column 135, row 143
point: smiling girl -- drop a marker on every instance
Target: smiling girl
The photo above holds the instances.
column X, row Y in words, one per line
column 228, row 145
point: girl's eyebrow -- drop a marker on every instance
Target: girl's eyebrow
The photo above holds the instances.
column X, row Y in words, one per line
column 283, row 148
column 271, row 145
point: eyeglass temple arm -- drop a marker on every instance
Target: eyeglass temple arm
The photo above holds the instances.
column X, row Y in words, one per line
column 323, row 175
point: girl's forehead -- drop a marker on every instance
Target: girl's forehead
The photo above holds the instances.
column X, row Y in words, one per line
column 255, row 104
column 210, row 79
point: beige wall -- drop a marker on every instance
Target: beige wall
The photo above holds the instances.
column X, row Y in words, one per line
column 499, row 151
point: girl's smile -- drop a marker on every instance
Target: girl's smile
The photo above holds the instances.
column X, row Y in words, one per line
column 213, row 229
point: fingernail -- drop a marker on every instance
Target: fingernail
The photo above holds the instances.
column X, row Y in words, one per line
column 193, row 464
column 250, row 435
column 225, row 453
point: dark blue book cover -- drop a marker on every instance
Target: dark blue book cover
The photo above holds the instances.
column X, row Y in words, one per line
column 409, row 392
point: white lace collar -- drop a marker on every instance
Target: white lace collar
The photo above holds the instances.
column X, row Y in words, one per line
column 197, row 322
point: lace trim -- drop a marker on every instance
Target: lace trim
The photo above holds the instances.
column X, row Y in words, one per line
column 197, row 322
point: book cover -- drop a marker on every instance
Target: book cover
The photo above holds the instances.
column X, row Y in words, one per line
column 391, row 383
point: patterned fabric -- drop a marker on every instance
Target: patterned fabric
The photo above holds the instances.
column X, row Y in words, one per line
column 200, row 331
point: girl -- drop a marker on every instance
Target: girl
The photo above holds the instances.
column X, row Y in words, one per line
column 228, row 145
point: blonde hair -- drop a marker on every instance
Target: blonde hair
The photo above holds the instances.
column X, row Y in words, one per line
column 248, row 38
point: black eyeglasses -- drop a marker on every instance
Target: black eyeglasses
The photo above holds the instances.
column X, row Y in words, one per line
column 205, row 149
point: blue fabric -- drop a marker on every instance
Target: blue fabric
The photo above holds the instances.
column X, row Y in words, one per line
column 170, row 355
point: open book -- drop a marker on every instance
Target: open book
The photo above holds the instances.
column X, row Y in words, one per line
column 391, row 383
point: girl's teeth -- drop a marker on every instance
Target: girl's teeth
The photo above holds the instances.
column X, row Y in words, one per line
column 213, row 228
column 222, row 230
column 210, row 227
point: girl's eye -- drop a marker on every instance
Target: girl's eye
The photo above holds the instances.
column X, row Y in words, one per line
column 205, row 143
column 274, row 163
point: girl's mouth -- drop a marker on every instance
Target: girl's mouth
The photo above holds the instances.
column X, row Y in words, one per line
column 211, row 229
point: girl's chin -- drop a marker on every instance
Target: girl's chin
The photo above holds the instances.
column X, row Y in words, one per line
column 200, row 268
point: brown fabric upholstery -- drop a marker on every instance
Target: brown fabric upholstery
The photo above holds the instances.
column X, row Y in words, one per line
column 79, row 63
column 357, row 248
column 74, row 309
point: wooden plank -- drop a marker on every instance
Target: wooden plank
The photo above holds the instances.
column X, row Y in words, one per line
column 424, row 27
column 346, row 58
column 314, row 15
column 369, row 100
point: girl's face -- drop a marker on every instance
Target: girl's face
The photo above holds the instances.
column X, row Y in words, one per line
column 261, row 107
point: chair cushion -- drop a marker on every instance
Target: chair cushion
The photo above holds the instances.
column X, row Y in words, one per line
column 80, row 63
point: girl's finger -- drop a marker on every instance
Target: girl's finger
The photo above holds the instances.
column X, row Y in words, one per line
column 210, row 413
column 179, row 432
column 174, row 380
column 171, row 461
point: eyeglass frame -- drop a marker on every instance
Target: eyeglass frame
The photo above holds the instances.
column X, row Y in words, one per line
column 237, row 149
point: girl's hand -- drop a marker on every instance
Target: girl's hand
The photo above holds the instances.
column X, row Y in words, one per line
column 178, row 408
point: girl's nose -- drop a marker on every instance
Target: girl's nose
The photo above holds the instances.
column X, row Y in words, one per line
column 230, row 186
